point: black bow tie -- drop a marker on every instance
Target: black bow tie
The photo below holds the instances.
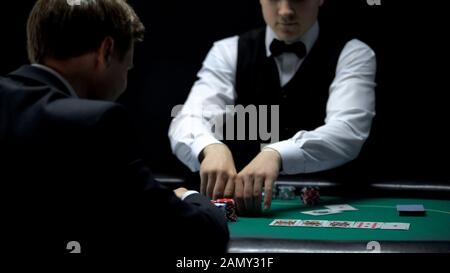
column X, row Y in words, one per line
column 278, row 47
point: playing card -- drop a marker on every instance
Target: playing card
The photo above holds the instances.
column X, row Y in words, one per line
column 285, row 222
column 367, row 225
column 340, row 224
column 321, row 212
column 313, row 223
column 342, row 207
column 397, row 226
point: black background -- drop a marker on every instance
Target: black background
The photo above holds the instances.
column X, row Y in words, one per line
column 410, row 138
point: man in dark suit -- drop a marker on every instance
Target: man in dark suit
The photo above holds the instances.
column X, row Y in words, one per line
column 69, row 166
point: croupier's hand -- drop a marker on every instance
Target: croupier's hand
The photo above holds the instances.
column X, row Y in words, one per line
column 261, row 172
column 217, row 171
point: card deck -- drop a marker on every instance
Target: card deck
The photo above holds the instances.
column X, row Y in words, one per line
column 411, row 210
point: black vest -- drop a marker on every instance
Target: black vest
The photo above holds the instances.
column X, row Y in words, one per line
column 302, row 101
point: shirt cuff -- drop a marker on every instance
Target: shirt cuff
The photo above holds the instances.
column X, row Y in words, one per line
column 186, row 194
column 199, row 144
column 292, row 159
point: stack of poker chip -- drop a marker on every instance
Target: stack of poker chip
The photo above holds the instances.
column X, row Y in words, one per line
column 228, row 208
column 310, row 195
column 286, row 192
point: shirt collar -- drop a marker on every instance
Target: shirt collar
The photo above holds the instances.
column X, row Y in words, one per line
column 56, row 74
column 309, row 38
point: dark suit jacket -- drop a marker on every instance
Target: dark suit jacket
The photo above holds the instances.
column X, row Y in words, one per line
column 69, row 171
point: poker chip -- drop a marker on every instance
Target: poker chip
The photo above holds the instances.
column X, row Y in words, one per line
column 222, row 207
column 286, row 193
column 228, row 207
column 274, row 193
column 310, row 195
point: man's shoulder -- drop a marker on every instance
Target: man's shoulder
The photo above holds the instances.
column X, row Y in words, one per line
column 226, row 42
column 10, row 85
column 48, row 107
column 76, row 113
column 83, row 107
column 356, row 49
column 358, row 44
column 343, row 40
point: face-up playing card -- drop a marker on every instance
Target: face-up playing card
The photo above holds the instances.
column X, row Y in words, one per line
column 321, row 212
column 340, row 224
column 313, row 223
column 397, row 226
column 285, row 222
column 342, row 207
column 367, row 225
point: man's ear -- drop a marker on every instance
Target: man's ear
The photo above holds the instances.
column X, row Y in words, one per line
column 105, row 52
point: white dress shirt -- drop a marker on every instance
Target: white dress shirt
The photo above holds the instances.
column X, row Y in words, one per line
column 349, row 111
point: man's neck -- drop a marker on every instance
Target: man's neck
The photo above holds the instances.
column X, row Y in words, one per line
column 58, row 76
column 72, row 73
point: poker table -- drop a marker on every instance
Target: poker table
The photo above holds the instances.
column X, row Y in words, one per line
column 374, row 201
column 429, row 233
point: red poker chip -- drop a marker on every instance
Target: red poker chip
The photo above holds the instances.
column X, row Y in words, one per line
column 310, row 195
column 230, row 209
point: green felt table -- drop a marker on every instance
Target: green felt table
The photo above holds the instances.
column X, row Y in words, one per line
column 433, row 227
